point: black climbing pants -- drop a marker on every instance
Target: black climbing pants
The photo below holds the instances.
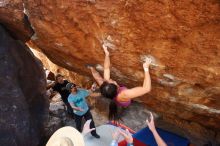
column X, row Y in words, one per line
column 69, row 108
column 86, row 116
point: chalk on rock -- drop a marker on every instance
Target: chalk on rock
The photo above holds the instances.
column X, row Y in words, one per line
column 25, row 10
column 169, row 76
column 108, row 42
column 91, row 1
column 34, row 37
column 166, row 83
column 59, row 44
column 3, row 3
column 154, row 61
column 146, row 57
column 69, row 64
column 90, row 65
column 99, row 67
column 110, row 38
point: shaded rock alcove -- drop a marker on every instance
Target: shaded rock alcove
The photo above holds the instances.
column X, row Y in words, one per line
column 23, row 104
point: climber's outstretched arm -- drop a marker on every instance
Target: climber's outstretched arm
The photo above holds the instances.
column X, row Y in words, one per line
column 96, row 76
column 106, row 64
column 139, row 91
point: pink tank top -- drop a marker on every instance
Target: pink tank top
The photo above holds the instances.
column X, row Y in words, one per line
column 121, row 103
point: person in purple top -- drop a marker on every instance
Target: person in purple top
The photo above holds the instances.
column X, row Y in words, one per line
column 119, row 95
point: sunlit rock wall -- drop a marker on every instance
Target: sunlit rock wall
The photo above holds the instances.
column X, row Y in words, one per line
column 182, row 37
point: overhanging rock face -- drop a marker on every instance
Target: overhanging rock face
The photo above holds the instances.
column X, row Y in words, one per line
column 182, row 37
column 12, row 16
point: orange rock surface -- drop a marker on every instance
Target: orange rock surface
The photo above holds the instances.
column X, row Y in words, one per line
column 182, row 37
column 69, row 75
column 12, row 16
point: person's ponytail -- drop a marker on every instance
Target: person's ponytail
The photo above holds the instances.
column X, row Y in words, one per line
column 110, row 91
column 113, row 112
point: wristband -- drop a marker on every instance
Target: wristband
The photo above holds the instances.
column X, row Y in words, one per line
column 146, row 69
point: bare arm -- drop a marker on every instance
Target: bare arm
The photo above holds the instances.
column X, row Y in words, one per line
column 97, row 76
column 152, row 128
column 139, row 91
column 92, row 90
column 95, row 94
column 74, row 107
column 106, row 64
column 158, row 139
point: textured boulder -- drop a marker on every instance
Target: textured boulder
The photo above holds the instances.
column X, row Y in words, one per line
column 12, row 16
column 23, row 105
column 182, row 37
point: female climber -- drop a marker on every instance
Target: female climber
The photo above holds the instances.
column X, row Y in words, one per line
column 119, row 95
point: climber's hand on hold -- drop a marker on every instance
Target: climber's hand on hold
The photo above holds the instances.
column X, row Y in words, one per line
column 105, row 48
column 147, row 62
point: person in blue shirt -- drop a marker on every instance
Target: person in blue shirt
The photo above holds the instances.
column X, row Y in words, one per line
column 77, row 100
